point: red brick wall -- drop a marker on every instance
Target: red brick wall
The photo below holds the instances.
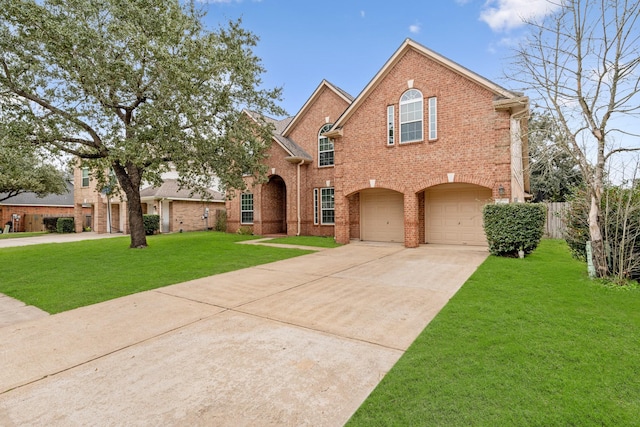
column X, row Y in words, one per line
column 473, row 141
column 305, row 133
column 25, row 211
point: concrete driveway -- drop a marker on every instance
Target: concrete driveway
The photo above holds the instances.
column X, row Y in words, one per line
column 296, row 342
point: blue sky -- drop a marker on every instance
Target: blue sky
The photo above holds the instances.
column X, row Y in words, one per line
column 348, row 41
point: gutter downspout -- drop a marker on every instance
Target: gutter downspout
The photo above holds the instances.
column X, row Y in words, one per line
column 298, row 201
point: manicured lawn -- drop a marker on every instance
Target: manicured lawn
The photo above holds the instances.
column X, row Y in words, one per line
column 18, row 235
column 63, row 276
column 322, row 242
column 525, row 342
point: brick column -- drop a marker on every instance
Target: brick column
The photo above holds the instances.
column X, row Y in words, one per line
column 411, row 220
column 341, row 205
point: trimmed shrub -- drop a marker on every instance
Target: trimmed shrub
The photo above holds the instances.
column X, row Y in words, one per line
column 151, row 223
column 513, row 227
column 51, row 223
column 65, row 225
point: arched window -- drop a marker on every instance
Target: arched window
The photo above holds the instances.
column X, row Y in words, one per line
column 411, row 117
column 325, row 147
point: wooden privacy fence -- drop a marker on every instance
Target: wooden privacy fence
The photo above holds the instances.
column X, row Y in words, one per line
column 555, row 226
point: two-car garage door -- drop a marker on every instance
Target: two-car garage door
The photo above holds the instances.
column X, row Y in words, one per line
column 453, row 214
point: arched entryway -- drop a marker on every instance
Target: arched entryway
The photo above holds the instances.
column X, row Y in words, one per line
column 274, row 206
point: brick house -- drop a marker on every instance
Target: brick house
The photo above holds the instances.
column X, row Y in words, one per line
column 178, row 210
column 412, row 159
column 26, row 211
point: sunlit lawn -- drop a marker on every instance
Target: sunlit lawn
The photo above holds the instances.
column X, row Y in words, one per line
column 528, row 342
column 22, row 234
column 61, row 276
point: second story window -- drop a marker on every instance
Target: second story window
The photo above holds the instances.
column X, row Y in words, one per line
column 325, row 147
column 411, row 118
column 390, row 124
column 85, row 177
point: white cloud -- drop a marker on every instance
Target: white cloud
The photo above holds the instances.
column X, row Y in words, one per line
column 415, row 28
column 362, row 13
column 502, row 15
column 462, row 2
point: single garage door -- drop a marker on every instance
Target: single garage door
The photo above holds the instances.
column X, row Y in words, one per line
column 381, row 215
column 454, row 214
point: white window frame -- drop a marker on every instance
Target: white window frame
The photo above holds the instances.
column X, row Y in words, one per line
column 433, row 118
column 323, row 142
column 316, row 206
column 85, row 176
column 409, row 99
column 243, row 210
column 391, row 124
column 332, row 206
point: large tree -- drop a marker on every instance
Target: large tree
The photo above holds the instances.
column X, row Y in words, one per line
column 554, row 173
column 23, row 170
column 583, row 62
column 136, row 87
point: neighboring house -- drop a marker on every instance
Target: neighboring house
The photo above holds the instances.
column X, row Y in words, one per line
column 412, row 159
column 178, row 210
column 26, row 210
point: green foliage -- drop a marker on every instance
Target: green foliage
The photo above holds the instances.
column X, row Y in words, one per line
column 554, row 173
column 22, row 169
column 151, row 223
column 528, row 342
column 65, row 225
column 513, row 227
column 620, row 225
column 136, row 86
column 245, row 231
column 221, row 221
column 51, row 223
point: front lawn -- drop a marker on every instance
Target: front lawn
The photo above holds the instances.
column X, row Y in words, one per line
column 322, row 242
column 22, row 234
column 524, row 342
column 61, row 276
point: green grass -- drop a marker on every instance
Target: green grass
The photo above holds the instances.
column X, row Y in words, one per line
column 63, row 276
column 22, row 234
column 322, row 242
column 524, row 342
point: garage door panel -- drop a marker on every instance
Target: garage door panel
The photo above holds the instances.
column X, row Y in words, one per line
column 382, row 215
column 454, row 214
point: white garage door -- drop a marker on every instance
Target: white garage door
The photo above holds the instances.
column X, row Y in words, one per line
column 454, row 214
column 381, row 215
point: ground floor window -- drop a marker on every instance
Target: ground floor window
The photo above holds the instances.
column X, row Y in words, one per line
column 327, row 205
column 246, row 208
column 316, row 206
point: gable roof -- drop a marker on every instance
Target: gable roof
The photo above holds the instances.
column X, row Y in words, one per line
column 32, row 199
column 293, row 149
column 323, row 84
column 171, row 190
column 410, row 44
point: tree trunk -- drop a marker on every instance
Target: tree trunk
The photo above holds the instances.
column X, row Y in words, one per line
column 136, row 223
column 599, row 256
column 129, row 178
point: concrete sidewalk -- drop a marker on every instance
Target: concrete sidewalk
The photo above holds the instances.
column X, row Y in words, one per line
column 55, row 238
column 296, row 342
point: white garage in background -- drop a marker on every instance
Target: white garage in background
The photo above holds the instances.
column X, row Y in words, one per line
column 454, row 214
column 381, row 215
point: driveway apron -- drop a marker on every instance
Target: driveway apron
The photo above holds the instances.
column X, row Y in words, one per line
column 296, row 342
